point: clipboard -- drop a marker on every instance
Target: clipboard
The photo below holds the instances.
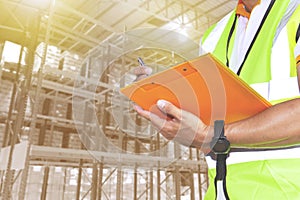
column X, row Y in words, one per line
column 203, row 86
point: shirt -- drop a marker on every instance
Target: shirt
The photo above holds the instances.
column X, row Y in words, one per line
column 247, row 26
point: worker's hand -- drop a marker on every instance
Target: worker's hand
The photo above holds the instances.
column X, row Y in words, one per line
column 142, row 72
column 184, row 127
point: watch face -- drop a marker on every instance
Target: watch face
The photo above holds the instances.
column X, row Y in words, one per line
column 221, row 146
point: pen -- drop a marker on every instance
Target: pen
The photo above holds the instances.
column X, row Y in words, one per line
column 141, row 61
column 142, row 71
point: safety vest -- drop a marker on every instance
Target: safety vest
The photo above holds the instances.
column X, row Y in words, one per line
column 261, row 174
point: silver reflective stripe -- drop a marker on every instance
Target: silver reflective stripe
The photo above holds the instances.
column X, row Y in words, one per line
column 278, row 89
column 241, row 157
column 220, row 191
column 280, row 58
column 262, row 89
column 283, row 88
column 212, row 40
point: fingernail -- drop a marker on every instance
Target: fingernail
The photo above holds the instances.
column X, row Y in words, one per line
column 148, row 70
column 161, row 104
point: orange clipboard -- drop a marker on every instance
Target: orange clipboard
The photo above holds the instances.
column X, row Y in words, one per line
column 203, row 86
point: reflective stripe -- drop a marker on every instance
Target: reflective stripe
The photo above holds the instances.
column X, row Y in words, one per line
column 220, row 192
column 262, row 89
column 280, row 58
column 209, row 44
column 283, row 88
column 278, row 88
column 241, row 157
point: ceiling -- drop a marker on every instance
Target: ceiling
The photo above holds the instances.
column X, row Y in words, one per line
column 82, row 25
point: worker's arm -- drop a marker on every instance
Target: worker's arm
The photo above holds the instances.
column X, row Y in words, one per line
column 276, row 126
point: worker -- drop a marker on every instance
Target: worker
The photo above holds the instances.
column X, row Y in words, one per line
column 250, row 41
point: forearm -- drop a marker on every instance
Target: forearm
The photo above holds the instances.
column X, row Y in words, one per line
column 276, row 126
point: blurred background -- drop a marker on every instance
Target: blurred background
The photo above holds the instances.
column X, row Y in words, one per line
column 65, row 131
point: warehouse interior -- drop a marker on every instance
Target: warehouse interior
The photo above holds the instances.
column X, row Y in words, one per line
column 65, row 130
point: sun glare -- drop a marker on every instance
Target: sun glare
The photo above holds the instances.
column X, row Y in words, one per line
column 11, row 52
column 41, row 4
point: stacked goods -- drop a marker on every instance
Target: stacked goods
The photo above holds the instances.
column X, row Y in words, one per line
column 52, row 58
column 72, row 62
column 5, row 95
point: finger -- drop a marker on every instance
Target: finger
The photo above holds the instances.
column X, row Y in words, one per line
column 140, row 77
column 167, row 128
column 169, row 109
column 154, row 119
column 157, row 122
column 163, row 126
column 142, row 112
column 142, row 70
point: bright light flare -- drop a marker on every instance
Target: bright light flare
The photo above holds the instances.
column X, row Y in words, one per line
column 40, row 4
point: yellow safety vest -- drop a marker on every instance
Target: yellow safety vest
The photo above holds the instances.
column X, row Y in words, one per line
column 270, row 174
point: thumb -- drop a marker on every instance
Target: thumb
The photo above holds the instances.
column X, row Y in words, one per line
column 169, row 109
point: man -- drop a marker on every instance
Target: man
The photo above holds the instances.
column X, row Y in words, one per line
column 246, row 41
